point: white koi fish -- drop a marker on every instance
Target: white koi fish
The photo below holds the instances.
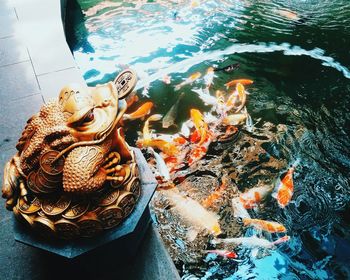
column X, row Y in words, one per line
column 161, row 166
column 238, row 209
column 252, row 242
column 193, row 212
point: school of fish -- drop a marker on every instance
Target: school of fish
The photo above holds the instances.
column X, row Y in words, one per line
column 169, row 153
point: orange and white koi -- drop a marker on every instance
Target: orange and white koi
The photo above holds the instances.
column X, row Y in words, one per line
column 189, row 80
column 200, row 125
column 241, row 81
column 222, row 253
column 216, row 195
column 193, row 212
column 234, row 119
column 285, row 188
column 209, row 77
column 269, row 226
column 141, row 112
column 252, row 242
column 254, row 196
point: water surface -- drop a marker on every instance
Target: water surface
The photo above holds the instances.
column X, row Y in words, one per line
column 298, row 56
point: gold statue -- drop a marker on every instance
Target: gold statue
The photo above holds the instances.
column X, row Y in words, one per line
column 74, row 174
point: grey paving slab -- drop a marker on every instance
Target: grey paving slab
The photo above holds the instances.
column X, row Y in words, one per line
column 17, row 261
column 17, row 81
column 12, row 51
column 8, row 19
column 48, row 49
column 14, row 116
column 52, row 83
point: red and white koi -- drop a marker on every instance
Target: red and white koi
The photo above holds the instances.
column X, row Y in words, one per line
column 222, row 253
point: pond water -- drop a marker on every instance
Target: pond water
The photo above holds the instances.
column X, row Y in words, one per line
column 297, row 53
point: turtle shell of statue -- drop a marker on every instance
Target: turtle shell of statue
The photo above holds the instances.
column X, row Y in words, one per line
column 74, row 175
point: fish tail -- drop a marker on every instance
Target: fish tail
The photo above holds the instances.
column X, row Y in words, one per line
column 246, row 221
column 178, row 87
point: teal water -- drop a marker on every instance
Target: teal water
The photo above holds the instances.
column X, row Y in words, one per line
column 300, row 67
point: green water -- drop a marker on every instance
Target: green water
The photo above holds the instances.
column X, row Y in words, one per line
column 300, row 67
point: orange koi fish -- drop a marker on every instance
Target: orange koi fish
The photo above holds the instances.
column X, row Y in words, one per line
column 200, row 125
column 222, row 253
column 141, row 112
column 237, row 98
column 216, row 195
column 254, row 196
column 166, row 147
column 285, row 189
column 189, row 80
column 241, row 81
column 269, row 226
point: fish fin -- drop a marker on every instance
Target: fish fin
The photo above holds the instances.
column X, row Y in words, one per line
column 178, row 87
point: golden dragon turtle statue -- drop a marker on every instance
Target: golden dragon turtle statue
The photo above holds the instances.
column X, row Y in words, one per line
column 74, row 175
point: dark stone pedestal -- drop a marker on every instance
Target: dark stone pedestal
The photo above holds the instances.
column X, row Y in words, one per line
column 118, row 245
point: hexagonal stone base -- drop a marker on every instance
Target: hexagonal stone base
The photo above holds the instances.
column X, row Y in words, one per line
column 121, row 241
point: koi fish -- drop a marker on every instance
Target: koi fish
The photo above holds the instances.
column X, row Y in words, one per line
column 288, row 14
column 166, row 147
column 249, row 122
column 251, row 242
column 169, row 118
column 193, row 212
column 206, row 97
column 141, row 112
column 285, row 189
column 195, row 3
column 229, row 68
column 254, row 196
column 209, row 77
column 235, row 119
column 222, row 253
column 241, row 81
column 237, row 98
column 146, row 132
column 161, row 166
column 200, row 125
column 269, row 226
column 197, row 153
column 189, row 80
column 216, row 195
column 239, row 211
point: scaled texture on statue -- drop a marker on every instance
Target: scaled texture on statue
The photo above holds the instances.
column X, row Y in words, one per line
column 74, row 174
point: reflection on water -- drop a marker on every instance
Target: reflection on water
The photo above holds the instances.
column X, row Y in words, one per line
column 297, row 54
